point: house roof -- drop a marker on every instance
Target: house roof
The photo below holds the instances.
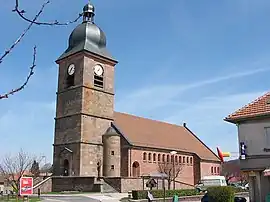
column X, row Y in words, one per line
column 150, row 133
column 258, row 107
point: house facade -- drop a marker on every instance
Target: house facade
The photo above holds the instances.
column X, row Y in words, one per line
column 253, row 124
column 92, row 141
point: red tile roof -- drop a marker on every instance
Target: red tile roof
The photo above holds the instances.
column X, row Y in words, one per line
column 259, row 107
column 156, row 134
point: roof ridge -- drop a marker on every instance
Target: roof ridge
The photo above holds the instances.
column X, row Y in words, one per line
column 249, row 104
column 149, row 119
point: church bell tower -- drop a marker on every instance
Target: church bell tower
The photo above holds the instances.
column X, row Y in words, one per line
column 85, row 100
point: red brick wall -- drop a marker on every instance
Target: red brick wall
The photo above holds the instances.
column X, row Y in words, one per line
column 209, row 168
column 150, row 166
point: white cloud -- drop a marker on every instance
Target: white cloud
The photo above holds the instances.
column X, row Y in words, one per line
column 149, row 98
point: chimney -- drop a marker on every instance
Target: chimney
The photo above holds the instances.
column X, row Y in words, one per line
column 184, row 124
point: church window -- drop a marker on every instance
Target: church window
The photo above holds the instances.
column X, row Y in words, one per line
column 144, row 156
column 180, row 159
column 154, row 156
column 149, row 157
column 176, row 159
column 70, row 81
column 217, row 170
column 191, row 160
column 158, row 157
column 172, row 159
column 112, row 167
column 187, row 160
column 112, row 153
column 212, row 170
column 163, row 157
column 168, row 158
column 184, row 159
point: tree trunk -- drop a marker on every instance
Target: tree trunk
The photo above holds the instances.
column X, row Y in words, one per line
column 169, row 184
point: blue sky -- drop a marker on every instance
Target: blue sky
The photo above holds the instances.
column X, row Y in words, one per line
column 180, row 61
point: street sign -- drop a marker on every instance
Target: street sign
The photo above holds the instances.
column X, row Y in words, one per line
column 26, row 186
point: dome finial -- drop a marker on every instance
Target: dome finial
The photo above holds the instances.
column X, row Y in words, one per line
column 88, row 12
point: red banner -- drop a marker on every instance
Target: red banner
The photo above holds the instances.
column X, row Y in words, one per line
column 26, row 186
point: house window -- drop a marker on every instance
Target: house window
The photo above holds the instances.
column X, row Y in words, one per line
column 112, row 153
column 267, row 136
column 112, row 167
column 144, row 156
column 158, row 157
column 154, row 157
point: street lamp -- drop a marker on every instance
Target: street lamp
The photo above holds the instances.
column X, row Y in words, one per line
column 173, row 153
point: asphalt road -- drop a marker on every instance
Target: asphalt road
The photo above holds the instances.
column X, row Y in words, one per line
column 67, row 199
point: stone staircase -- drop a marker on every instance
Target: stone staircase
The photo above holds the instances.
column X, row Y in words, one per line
column 106, row 188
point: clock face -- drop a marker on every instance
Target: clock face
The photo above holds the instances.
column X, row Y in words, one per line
column 98, row 69
column 71, row 69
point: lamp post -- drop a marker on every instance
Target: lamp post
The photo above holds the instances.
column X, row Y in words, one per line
column 173, row 153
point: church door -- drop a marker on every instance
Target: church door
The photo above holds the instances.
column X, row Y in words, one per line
column 66, row 168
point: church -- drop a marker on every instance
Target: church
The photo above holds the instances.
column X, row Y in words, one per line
column 94, row 145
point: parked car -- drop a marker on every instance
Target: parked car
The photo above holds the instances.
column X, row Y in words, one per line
column 209, row 181
column 236, row 199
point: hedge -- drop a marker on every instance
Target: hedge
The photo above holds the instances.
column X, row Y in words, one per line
column 221, row 194
column 142, row 194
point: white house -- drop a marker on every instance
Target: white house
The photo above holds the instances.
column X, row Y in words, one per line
column 253, row 123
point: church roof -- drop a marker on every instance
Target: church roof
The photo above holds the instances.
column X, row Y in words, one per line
column 151, row 133
column 257, row 108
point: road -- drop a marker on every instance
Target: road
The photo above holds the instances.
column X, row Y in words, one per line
column 68, row 199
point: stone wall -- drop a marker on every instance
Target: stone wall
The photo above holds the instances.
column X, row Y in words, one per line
column 83, row 184
column 46, row 187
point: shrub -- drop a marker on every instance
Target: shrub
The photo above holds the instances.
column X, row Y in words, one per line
column 142, row 194
column 221, row 194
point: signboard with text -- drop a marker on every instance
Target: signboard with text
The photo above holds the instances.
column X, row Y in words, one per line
column 26, row 186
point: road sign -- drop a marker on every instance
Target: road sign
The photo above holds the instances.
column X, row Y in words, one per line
column 26, row 186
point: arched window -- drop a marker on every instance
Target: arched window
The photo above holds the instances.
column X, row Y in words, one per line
column 212, row 170
column 215, row 170
column 218, row 171
column 136, row 169
column 172, row 158
column 144, row 156
column 149, row 157
column 176, row 159
column 180, row 159
column 168, row 158
column 191, row 161
column 66, row 168
column 187, row 160
column 154, row 156
column 158, row 157
column 163, row 157
column 184, row 159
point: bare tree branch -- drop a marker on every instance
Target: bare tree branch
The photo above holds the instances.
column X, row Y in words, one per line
column 14, row 167
column 172, row 171
column 22, row 12
column 31, row 72
column 23, row 34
